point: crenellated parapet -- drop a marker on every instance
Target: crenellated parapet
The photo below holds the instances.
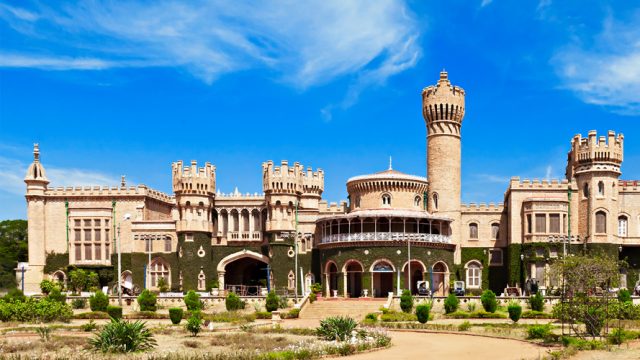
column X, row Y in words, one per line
column 482, row 208
column 629, row 186
column 109, row 191
column 192, row 179
column 544, row 184
column 285, row 179
column 333, row 208
column 443, row 107
column 604, row 153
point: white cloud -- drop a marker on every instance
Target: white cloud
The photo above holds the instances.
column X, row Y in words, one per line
column 485, row 3
column 605, row 72
column 306, row 42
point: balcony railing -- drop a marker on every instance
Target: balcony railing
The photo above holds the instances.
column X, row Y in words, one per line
column 386, row 236
column 244, row 235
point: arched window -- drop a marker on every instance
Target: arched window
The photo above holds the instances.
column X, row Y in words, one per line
column 386, row 199
column 601, row 222
column 623, row 225
column 473, row 231
column 357, row 201
column 416, row 201
column 495, row 230
column 600, row 188
column 167, row 243
column 585, row 190
column 202, row 280
column 435, row 201
column 158, row 269
column 474, row 275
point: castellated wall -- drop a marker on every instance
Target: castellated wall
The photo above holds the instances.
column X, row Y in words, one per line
column 629, row 198
column 483, row 216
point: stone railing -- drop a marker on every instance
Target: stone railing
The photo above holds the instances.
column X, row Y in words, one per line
column 386, row 236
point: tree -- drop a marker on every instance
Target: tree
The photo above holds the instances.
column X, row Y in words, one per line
column 83, row 280
column 586, row 281
column 13, row 249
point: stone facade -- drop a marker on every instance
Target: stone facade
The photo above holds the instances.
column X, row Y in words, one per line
column 396, row 230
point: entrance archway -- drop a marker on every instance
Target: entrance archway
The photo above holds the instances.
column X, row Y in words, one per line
column 243, row 273
column 331, row 273
column 417, row 269
column 382, row 272
column 440, row 284
column 353, row 273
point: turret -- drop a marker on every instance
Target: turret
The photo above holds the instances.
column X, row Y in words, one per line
column 195, row 193
column 443, row 110
column 594, row 162
column 36, row 177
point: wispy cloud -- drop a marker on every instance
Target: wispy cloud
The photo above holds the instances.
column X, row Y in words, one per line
column 12, row 174
column 491, row 178
column 306, row 43
column 605, row 70
column 485, row 3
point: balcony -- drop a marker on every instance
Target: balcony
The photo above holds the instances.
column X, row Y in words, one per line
column 386, row 236
column 244, row 235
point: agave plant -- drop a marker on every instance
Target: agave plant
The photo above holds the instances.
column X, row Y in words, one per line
column 121, row 336
column 336, row 328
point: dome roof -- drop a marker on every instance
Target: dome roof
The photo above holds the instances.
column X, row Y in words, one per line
column 389, row 174
column 36, row 170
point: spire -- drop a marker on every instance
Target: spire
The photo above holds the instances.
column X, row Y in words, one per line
column 123, row 182
column 36, row 153
column 390, row 167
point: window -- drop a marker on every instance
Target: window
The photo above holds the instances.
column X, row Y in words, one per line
column 386, row 199
column 495, row 257
column 529, row 224
column 358, row 201
column 554, row 223
column 585, row 190
column 601, row 222
column 167, row 243
column 188, row 237
column 435, row 201
column 416, row 201
column 495, row 230
column 600, row 188
column 541, row 223
column 622, row 225
column 202, row 281
column 473, row 231
column 158, row 269
column 474, row 275
column 148, row 243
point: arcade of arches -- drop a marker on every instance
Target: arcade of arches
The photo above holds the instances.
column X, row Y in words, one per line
column 383, row 277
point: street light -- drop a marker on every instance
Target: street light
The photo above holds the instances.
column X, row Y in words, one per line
column 126, row 217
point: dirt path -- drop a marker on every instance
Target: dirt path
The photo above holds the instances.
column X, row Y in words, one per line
column 414, row 345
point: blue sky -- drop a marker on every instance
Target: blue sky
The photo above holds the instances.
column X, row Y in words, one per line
column 110, row 88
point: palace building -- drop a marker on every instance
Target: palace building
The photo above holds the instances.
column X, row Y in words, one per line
column 397, row 229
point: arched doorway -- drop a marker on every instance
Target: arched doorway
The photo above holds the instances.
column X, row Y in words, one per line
column 417, row 271
column 331, row 274
column 382, row 273
column 353, row 273
column 440, row 284
column 244, row 273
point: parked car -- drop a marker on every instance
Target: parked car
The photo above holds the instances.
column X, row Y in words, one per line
column 458, row 288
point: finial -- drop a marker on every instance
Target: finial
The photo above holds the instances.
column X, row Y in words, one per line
column 123, row 182
column 390, row 167
column 36, row 152
column 443, row 74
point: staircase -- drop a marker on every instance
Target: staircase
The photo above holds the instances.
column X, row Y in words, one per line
column 355, row 308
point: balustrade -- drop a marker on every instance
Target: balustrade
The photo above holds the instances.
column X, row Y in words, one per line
column 386, row 236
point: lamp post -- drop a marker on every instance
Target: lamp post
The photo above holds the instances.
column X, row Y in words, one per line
column 124, row 218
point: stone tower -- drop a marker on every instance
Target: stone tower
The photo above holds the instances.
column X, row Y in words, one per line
column 36, row 180
column 195, row 193
column 595, row 165
column 443, row 111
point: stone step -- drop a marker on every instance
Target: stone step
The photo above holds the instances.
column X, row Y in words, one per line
column 354, row 308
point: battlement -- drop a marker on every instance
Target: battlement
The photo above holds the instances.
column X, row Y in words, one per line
column 482, row 207
column 192, row 179
column 443, row 101
column 238, row 195
column 291, row 179
column 629, row 186
column 113, row 191
column 594, row 149
column 326, row 208
column 528, row 184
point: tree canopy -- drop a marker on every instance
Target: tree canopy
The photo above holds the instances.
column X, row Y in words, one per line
column 13, row 248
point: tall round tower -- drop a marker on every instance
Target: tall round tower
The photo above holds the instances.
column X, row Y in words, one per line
column 443, row 111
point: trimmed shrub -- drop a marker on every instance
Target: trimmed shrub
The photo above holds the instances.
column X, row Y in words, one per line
column 624, row 295
column 263, row 315
column 292, row 314
column 233, row 302
column 147, row 301
column 120, row 336
column 536, row 302
column 46, row 286
column 396, row 316
column 43, row 310
column 79, row 303
column 489, row 303
column 98, row 301
column 192, row 301
column 451, row 304
column 373, row 317
column 175, row 314
column 336, row 328
column 406, row 301
column 56, row 295
column 272, row 301
column 422, row 313
column 312, row 297
column 539, row 331
column 515, row 311
column 194, row 323
column 115, row 312
column 465, row 326
column 481, row 314
column 15, row 295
